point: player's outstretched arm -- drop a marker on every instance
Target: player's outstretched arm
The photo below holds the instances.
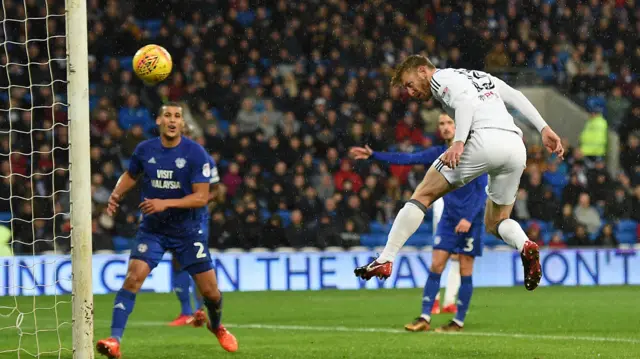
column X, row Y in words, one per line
column 521, row 103
column 425, row 157
column 125, row 183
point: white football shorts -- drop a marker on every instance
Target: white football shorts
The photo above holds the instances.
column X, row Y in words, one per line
column 500, row 153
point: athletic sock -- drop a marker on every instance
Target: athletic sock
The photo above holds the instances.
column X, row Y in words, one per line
column 406, row 223
column 453, row 283
column 431, row 289
column 464, row 299
column 123, row 306
column 512, row 234
column 181, row 281
column 215, row 311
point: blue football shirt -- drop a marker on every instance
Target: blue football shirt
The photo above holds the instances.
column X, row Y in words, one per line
column 169, row 173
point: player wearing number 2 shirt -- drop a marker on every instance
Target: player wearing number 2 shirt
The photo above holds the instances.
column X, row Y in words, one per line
column 486, row 141
column 174, row 173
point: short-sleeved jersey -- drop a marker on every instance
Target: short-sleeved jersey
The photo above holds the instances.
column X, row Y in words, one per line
column 169, row 173
column 454, row 87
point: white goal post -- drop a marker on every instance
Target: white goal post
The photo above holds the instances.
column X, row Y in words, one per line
column 80, row 183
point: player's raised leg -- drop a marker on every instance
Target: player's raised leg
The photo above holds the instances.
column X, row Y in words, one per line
column 499, row 223
column 431, row 289
column 501, row 190
column 432, row 187
column 208, row 285
column 181, row 281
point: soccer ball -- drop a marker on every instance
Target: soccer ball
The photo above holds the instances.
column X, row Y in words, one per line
column 152, row 64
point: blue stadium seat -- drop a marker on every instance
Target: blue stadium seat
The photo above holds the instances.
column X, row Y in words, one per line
column 626, row 238
column 377, row 227
column 373, row 240
column 126, row 63
column 425, row 228
column 420, row 240
column 286, row 217
column 490, row 240
column 265, row 215
column 223, row 125
column 5, row 216
column 627, row 225
column 121, row 243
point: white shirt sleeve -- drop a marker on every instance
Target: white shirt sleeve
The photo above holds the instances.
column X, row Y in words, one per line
column 520, row 102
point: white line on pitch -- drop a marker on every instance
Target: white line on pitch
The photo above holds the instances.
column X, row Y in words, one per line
column 400, row 331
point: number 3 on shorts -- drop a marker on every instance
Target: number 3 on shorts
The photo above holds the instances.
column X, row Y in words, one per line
column 201, row 253
column 469, row 246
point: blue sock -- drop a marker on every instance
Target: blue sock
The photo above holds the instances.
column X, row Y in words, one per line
column 198, row 301
column 429, row 294
column 464, row 299
column 215, row 311
column 123, row 306
column 181, row 282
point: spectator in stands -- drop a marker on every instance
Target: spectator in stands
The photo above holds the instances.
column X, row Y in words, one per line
column 273, row 233
column 630, row 156
column 587, row 215
column 327, row 233
column 133, row 114
column 247, row 118
column 521, row 207
column 617, row 108
column 534, row 235
column 346, row 174
column 566, row 222
column 556, row 241
column 607, row 238
column 635, row 204
column 580, row 238
column 497, row 59
column 618, row 206
column 593, row 139
column 297, row 234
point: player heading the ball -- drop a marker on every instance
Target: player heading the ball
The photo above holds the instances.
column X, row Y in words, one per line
column 486, row 140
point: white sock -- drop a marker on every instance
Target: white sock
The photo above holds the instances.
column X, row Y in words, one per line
column 453, row 284
column 426, row 317
column 406, row 223
column 512, row 234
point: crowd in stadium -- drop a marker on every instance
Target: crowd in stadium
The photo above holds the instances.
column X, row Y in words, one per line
column 282, row 90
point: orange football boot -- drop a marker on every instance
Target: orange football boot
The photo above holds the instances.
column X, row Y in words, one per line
column 227, row 341
column 182, row 320
column 109, row 347
column 436, row 307
column 451, row 308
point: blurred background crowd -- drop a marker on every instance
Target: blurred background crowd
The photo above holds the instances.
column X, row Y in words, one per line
column 278, row 91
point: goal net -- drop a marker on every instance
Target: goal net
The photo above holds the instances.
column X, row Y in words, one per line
column 46, row 306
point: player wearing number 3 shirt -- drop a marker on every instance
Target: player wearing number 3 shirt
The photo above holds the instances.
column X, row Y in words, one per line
column 486, row 141
column 174, row 174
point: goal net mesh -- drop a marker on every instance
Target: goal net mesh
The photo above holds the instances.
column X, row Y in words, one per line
column 35, row 267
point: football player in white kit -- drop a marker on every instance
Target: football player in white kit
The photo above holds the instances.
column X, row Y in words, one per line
column 486, row 141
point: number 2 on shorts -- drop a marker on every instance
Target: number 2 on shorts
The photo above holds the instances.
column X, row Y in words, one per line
column 200, row 253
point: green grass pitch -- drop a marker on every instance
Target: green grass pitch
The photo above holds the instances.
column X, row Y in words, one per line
column 510, row 323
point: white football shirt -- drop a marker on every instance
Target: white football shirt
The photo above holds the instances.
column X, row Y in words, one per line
column 476, row 100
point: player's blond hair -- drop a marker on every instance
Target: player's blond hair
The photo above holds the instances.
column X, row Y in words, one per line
column 411, row 63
